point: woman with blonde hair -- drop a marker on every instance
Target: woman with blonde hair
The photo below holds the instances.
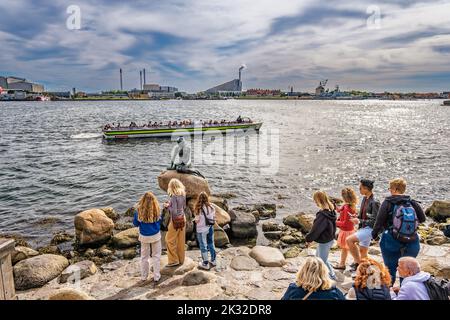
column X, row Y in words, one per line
column 176, row 236
column 347, row 214
column 205, row 216
column 313, row 282
column 147, row 217
column 323, row 229
column 372, row 282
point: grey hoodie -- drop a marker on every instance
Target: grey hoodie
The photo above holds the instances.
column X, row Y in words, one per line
column 413, row 288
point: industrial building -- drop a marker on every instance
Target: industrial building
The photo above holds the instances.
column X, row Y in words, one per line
column 14, row 83
column 230, row 87
column 156, row 91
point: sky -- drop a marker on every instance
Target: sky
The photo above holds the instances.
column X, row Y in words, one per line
column 372, row 45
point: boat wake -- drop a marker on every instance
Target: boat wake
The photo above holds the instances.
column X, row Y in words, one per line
column 81, row 136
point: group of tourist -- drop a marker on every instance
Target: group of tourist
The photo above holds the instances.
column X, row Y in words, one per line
column 150, row 220
column 182, row 123
column 397, row 221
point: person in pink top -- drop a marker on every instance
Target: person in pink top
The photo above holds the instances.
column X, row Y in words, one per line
column 345, row 223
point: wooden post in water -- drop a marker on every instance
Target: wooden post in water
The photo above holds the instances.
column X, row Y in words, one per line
column 7, row 290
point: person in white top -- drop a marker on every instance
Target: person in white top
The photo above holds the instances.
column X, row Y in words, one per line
column 205, row 220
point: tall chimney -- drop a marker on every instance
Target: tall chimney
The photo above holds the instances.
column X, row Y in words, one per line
column 144, row 77
column 121, row 81
column 140, row 77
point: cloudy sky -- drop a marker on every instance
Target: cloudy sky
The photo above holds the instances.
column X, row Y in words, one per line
column 195, row 44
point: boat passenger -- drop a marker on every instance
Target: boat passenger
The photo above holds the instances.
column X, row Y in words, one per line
column 239, row 119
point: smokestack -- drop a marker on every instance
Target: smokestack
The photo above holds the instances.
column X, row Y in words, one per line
column 240, row 76
column 140, row 78
column 144, row 77
column 121, row 81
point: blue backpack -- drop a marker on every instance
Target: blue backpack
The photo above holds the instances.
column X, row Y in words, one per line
column 404, row 222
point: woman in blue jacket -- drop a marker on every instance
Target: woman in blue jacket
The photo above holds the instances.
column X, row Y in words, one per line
column 147, row 217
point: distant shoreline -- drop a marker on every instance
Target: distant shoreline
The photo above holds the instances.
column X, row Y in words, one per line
column 236, row 98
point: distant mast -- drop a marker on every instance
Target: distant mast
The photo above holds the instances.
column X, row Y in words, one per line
column 121, row 80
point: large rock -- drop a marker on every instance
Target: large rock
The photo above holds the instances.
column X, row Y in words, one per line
column 93, row 227
column 69, row 294
column 187, row 266
column 111, row 213
column 126, row 239
column 21, row 253
column 244, row 263
column 439, row 210
column 195, row 278
column 300, row 221
column 220, row 237
column 267, row 256
column 222, row 217
column 78, row 271
column 194, row 185
column 37, row 271
column 439, row 267
column 244, row 226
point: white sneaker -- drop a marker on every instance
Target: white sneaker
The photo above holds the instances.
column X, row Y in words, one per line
column 156, row 279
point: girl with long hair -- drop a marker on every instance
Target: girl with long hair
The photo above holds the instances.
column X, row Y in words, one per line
column 147, row 217
column 205, row 220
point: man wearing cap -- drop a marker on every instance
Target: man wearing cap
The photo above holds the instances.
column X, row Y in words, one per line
column 367, row 217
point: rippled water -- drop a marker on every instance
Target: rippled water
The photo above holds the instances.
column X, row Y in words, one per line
column 53, row 162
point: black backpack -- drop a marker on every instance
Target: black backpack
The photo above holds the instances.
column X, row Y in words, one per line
column 437, row 290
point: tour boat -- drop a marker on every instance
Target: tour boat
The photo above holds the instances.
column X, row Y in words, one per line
column 166, row 131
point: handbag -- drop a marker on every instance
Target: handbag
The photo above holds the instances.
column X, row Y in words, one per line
column 179, row 222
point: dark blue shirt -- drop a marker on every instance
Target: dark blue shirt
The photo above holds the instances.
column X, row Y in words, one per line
column 294, row 292
column 146, row 229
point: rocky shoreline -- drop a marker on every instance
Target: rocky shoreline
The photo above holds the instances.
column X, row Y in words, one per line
column 102, row 254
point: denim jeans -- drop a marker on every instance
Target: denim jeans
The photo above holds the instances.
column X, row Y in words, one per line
column 392, row 250
column 322, row 251
column 206, row 243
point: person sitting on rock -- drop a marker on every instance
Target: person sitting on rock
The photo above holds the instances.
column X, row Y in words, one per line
column 147, row 217
column 372, row 282
column 399, row 216
column 323, row 229
column 359, row 242
column 205, row 216
column 313, row 282
column 176, row 233
column 413, row 284
column 346, row 214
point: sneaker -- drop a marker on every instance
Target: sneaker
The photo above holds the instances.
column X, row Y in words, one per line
column 213, row 263
column 203, row 266
column 156, row 279
column 353, row 267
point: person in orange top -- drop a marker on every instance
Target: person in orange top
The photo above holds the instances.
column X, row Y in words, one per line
column 345, row 224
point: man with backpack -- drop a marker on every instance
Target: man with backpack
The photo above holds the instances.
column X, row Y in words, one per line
column 417, row 284
column 399, row 216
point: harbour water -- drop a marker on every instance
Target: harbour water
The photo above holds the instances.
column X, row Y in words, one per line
column 54, row 163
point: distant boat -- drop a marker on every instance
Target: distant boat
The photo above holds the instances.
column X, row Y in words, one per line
column 446, row 103
column 42, row 98
column 166, row 131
